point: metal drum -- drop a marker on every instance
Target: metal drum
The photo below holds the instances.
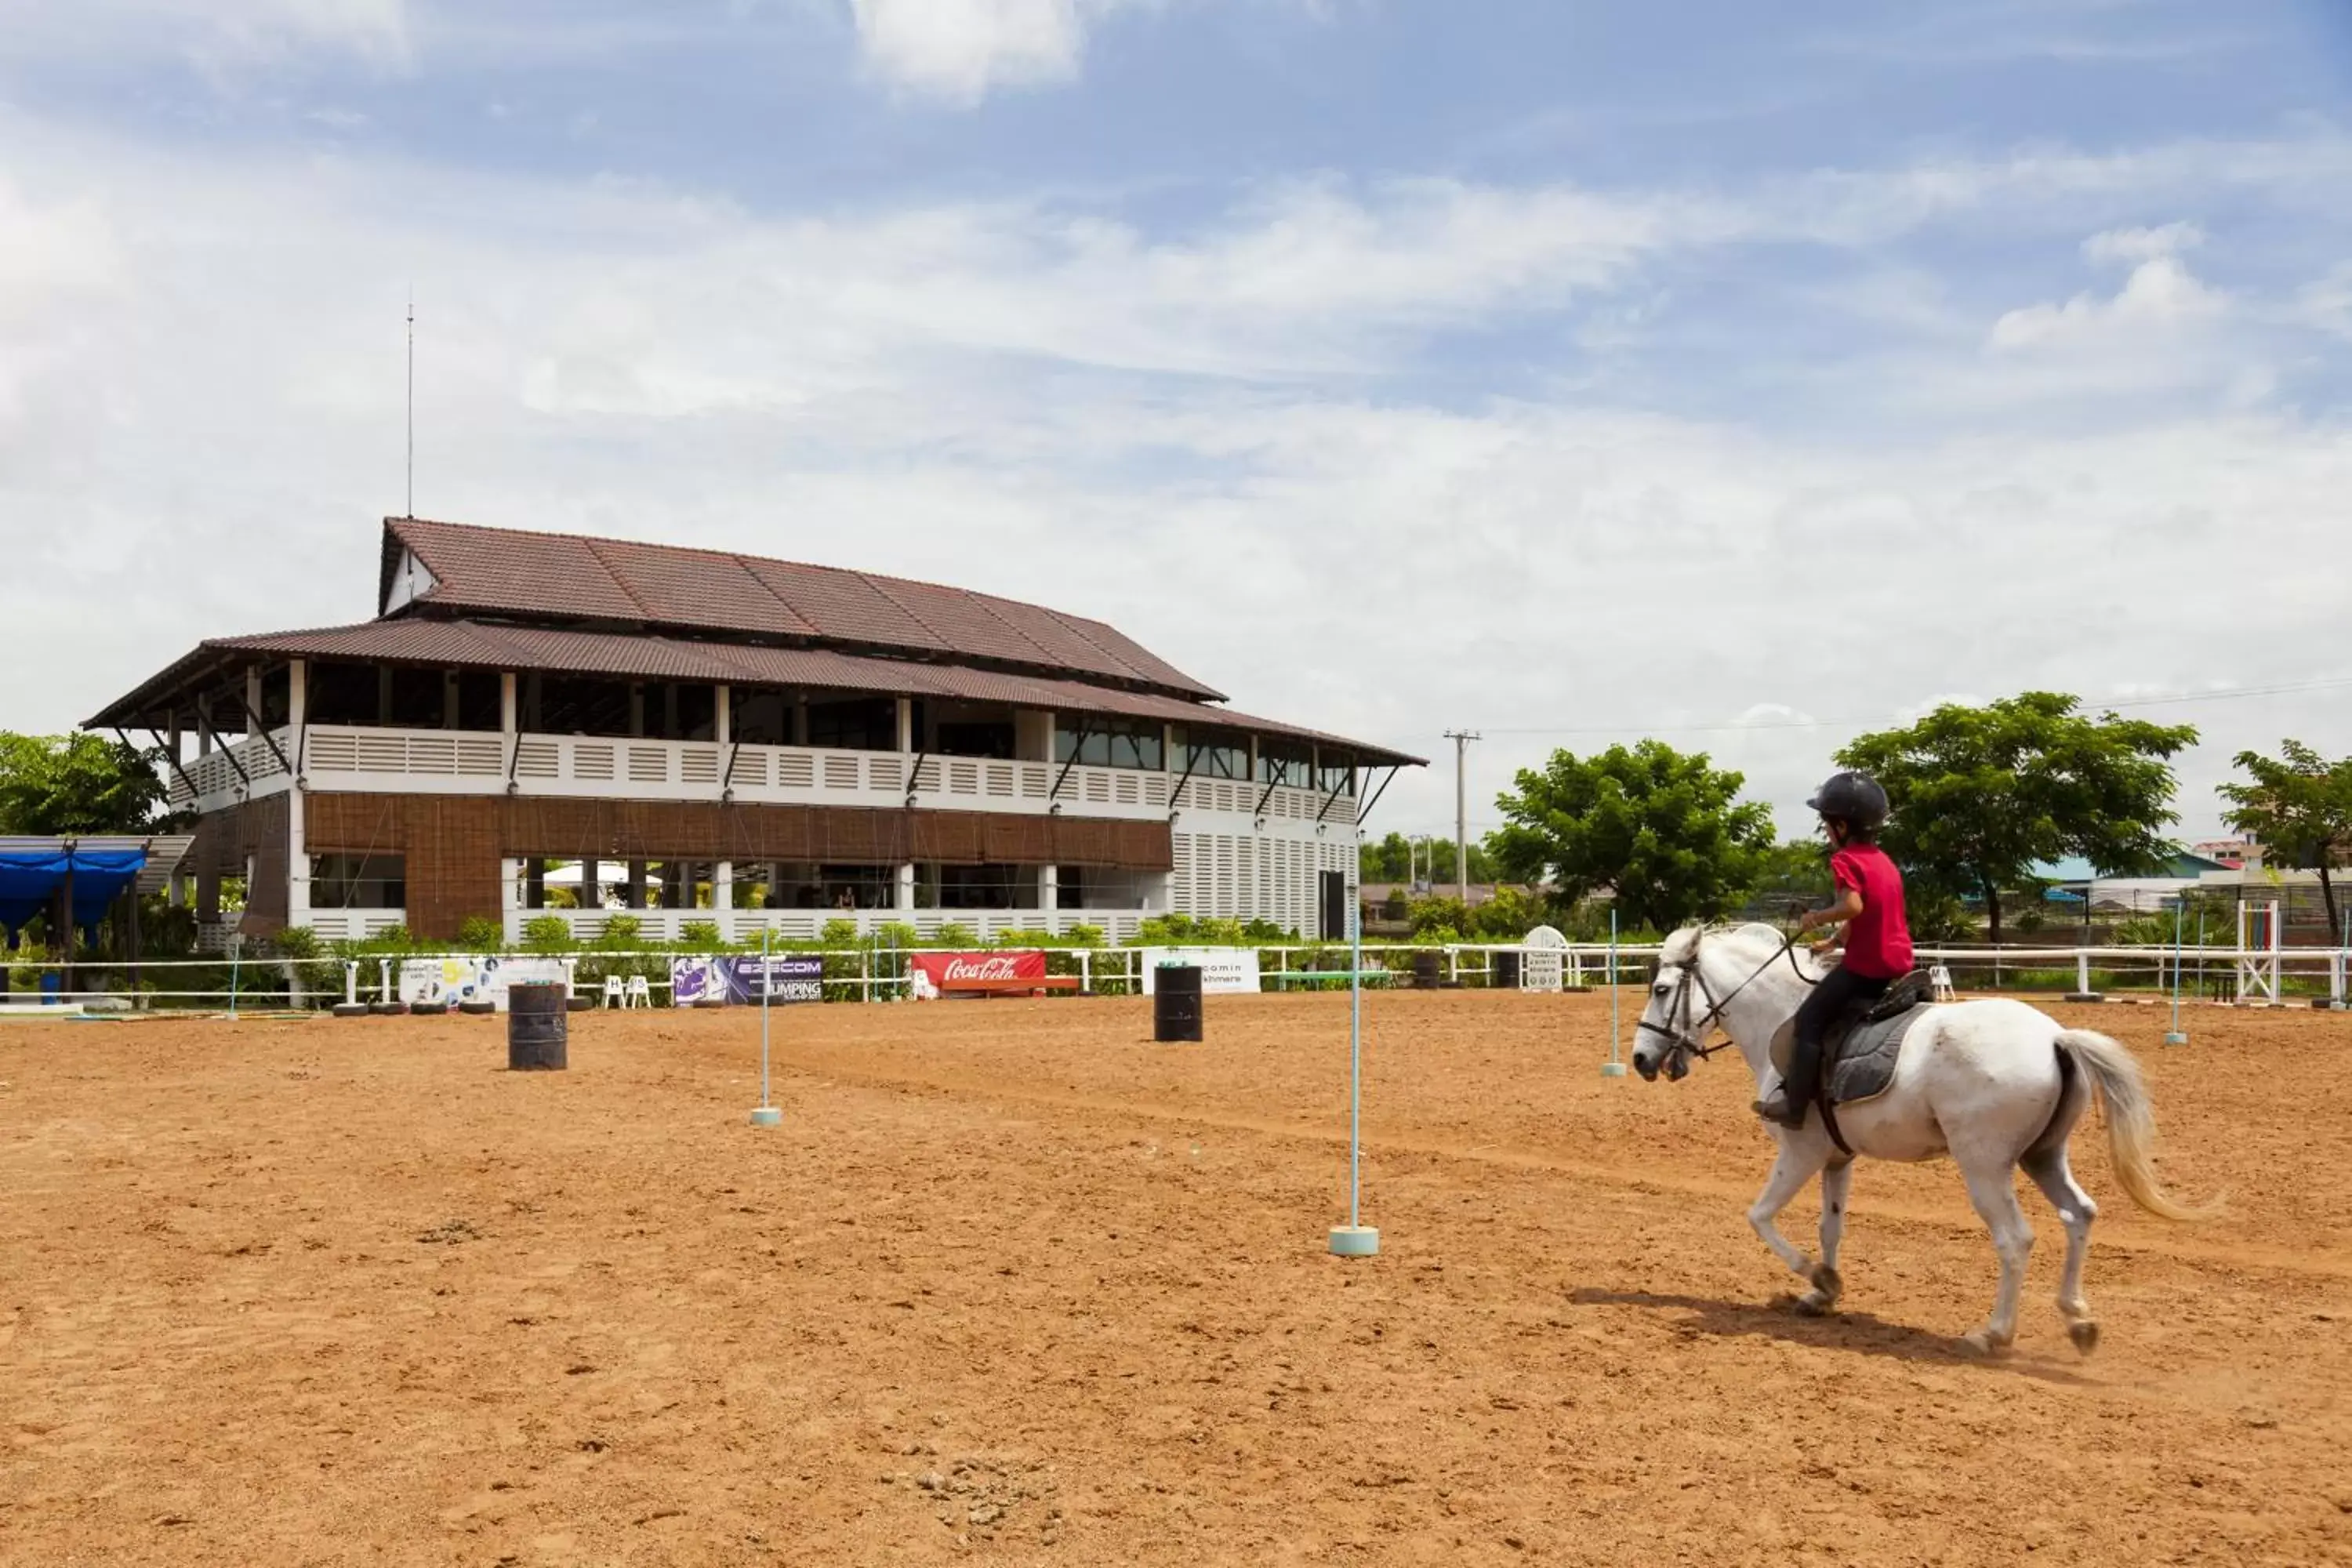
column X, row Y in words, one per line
column 537, row 1022
column 1507, row 970
column 1427, row 970
column 1176, row 1002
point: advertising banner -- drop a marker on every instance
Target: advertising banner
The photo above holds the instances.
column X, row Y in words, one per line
column 1223, row 969
column 457, row 980
column 786, row 977
column 932, row 974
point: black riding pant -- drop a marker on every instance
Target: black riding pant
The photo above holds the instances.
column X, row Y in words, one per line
column 1839, row 989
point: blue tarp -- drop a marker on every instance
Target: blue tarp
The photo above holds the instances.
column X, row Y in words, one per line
column 29, row 880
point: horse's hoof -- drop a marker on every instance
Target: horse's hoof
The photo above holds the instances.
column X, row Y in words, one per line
column 2085, row 1333
column 1985, row 1343
column 1827, row 1280
column 1813, row 1304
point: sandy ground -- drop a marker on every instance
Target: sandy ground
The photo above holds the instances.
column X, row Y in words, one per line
column 1012, row 1284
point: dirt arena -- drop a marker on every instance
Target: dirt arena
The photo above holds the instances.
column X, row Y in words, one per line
column 1012, row 1284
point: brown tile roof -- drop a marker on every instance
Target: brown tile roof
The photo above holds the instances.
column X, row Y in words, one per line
column 510, row 572
column 460, row 644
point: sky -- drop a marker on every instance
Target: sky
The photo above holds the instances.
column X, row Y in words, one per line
column 1746, row 375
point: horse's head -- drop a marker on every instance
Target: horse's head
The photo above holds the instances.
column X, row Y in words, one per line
column 1664, row 1036
column 1701, row 971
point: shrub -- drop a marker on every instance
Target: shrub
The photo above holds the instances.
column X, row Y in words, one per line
column 839, row 933
column 895, row 934
column 393, row 938
column 481, row 934
column 547, row 935
column 297, row 942
column 620, row 931
column 1085, row 936
column 955, row 933
column 702, row 934
column 1190, row 930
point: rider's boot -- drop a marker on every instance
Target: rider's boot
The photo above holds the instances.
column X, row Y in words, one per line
column 1777, row 1107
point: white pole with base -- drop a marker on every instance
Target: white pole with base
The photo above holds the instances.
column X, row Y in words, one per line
column 2175, row 1036
column 1613, row 1067
column 1355, row 1238
column 765, row 1113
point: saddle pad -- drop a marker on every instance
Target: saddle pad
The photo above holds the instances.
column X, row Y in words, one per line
column 1859, row 1067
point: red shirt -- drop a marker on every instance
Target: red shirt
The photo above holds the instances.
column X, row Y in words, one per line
column 1879, row 939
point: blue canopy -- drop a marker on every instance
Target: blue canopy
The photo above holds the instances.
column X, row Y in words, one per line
column 29, row 880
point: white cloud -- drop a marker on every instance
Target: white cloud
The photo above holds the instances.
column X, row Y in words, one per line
column 2160, row 296
column 2139, row 245
column 958, row 50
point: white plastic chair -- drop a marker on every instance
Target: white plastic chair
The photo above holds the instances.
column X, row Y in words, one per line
column 640, row 995
column 615, row 995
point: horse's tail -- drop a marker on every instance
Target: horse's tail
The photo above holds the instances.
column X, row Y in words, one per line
column 2131, row 1128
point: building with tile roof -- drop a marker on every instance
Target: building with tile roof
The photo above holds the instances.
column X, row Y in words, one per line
column 540, row 724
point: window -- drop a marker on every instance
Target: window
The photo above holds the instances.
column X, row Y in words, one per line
column 570, row 705
column 1213, row 753
column 1106, row 742
column 863, row 725
column 680, row 712
column 359, row 882
column 277, row 697
column 1334, row 772
column 343, row 694
column 988, row 887
column 418, row 698
column 975, row 739
column 1284, row 763
column 759, row 716
column 480, row 702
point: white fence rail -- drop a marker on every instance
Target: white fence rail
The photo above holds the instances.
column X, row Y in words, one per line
column 874, row 973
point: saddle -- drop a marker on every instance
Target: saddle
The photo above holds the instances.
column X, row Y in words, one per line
column 1861, row 1046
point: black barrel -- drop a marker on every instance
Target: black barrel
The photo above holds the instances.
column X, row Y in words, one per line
column 1176, row 1002
column 1427, row 967
column 1507, row 970
column 536, row 1025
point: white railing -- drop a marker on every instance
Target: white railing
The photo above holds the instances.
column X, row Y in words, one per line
column 476, row 761
column 218, row 781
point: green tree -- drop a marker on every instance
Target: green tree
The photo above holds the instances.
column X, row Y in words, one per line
column 1666, row 832
column 1795, row 875
column 77, row 783
column 1389, row 860
column 1395, row 859
column 2298, row 805
column 1981, row 793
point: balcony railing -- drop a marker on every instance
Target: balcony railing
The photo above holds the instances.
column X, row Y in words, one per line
column 460, row 761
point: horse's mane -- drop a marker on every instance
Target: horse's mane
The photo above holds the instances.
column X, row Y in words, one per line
column 1755, row 937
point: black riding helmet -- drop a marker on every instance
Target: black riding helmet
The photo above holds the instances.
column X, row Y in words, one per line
column 1852, row 798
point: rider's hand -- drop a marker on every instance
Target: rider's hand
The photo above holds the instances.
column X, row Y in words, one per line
column 1823, row 949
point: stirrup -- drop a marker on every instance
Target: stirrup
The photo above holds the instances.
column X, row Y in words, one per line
column 1791, row 1117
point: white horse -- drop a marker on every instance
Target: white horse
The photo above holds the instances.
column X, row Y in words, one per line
column 1995, row 1084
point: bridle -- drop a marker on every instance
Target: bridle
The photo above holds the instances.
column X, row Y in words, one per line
column 1689, row 1040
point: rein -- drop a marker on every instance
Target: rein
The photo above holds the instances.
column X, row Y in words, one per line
column 1685, row 1042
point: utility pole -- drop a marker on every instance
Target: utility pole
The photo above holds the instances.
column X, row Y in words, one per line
column 1462, row 738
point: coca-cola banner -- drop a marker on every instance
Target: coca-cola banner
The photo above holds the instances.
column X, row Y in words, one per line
column 932, row 974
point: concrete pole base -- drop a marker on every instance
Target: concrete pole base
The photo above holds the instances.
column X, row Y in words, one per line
column 1355, row 1240
column 767, row 1116
column 2175, row 1037
column 1612, row 1069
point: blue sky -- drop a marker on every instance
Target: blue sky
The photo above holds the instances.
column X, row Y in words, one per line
column 1751, row 373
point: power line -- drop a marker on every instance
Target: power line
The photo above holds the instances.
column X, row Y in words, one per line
column 2233, row 694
